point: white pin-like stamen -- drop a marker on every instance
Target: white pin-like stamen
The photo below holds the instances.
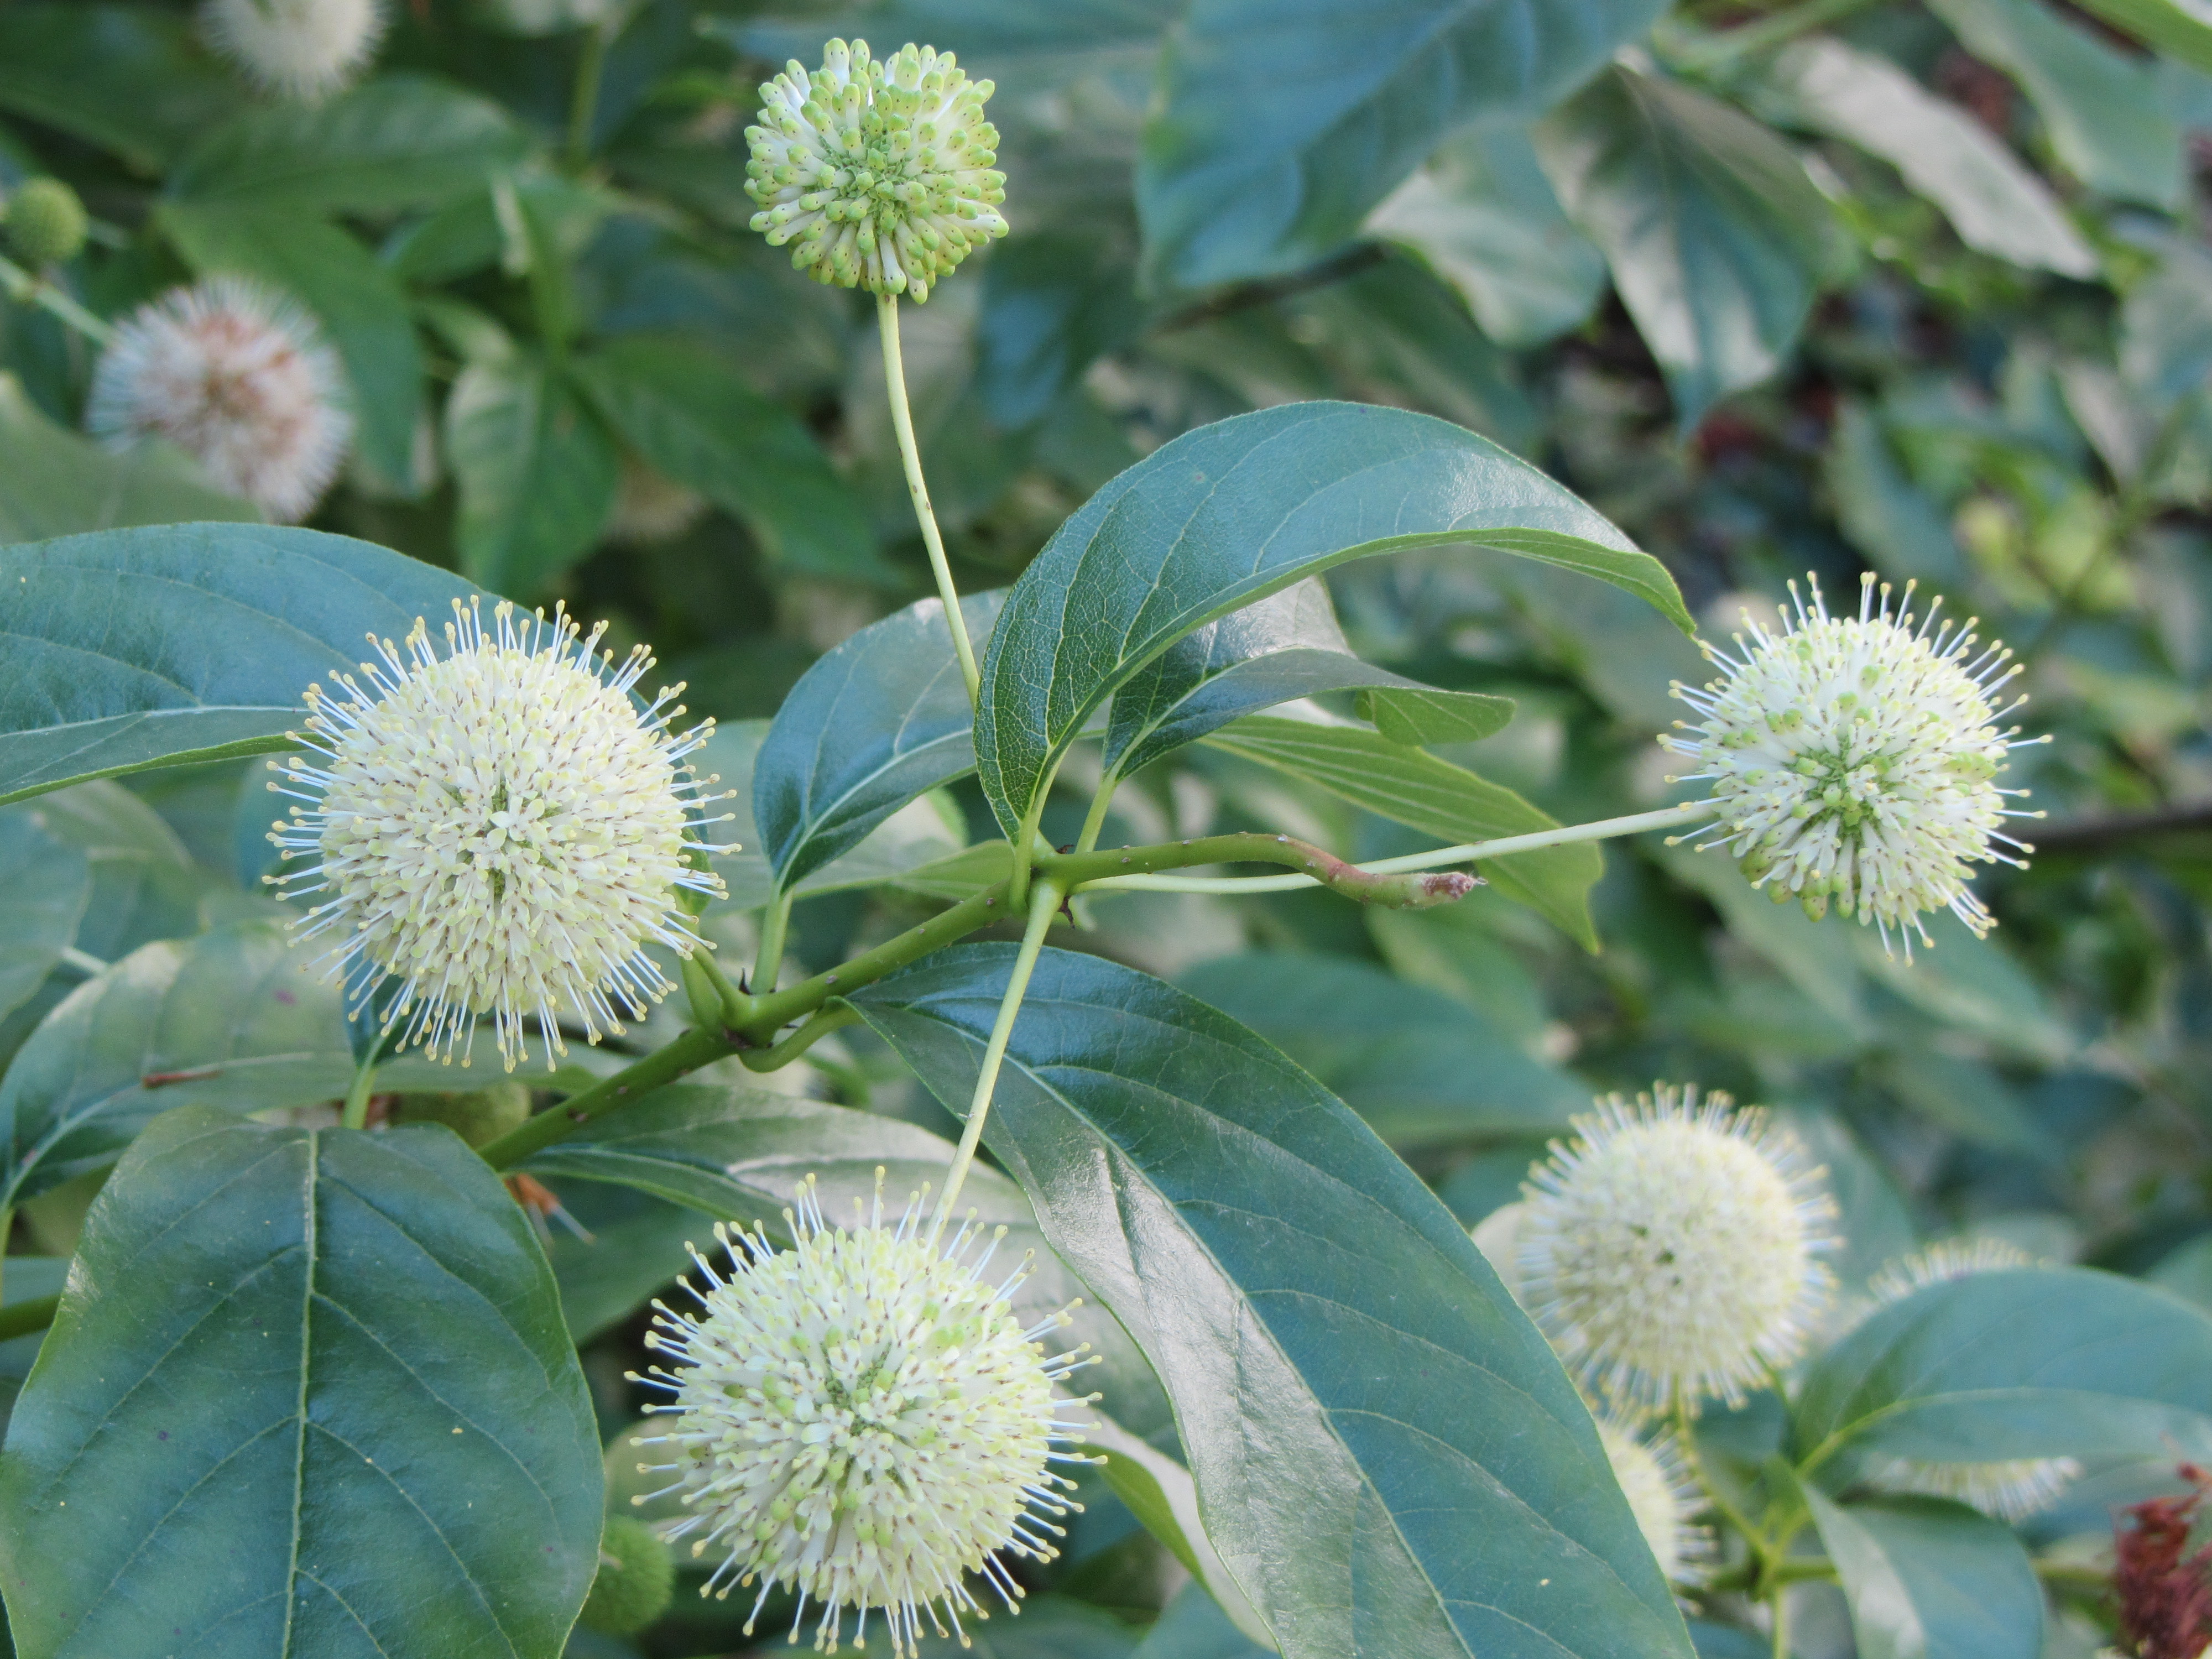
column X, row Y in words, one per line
column 1662, row 1497
column 861, row 1419
column 1673, row 1249
column 1853, row 760
column 501, row 828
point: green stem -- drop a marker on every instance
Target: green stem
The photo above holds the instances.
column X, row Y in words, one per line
column 782, row 1053
column 1665, row 818
column 775, row 928
column 584, row 99
column 21, row 1318
column 1095, row 820
column 1778, row 1599
column 21, row 286
column 356, row 1116
column 1044, row 904
column 1685, row 1435
column 686, row 1053
column 910, row 456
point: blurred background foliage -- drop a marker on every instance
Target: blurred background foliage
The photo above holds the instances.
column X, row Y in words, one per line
column 1921, row 289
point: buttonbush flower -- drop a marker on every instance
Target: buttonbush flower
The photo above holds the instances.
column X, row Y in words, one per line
column 303, row 49
column 500, row 828
column 1853, row 760
column 237, row 376
column 880, row 170
column 1672, row 1249
column 2010, row 1489
column 1661, row 1496
column 862, row 1419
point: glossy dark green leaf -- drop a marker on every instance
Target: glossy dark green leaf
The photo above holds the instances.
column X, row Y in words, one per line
column 1278, row 126
column 44, row 884
column 54, row 482
column 1931, row 1580
column 926, row 830
column 132, row 79
column 152, row 647
column 737, row 1154
column 1160, row 1494
column 1483, row 217
column 1389, row 1458
column 691, row 416
column 343, row 1418
column 876, row 722
column 1993, row 199
column 398, row 141
column 1286, row 646
column 2035, row 1362
column 537, row 472
column 2100, row 106
column 361, row 305
column 1234, row 511
column 1432, row 795
column 1713, row 231
column 1419, row 1066
column 226, row 1019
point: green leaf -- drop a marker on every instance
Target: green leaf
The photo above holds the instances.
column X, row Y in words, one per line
column 1052, row 305
column 2181, row 31
column 229, row 1018
column 2166, row 325
column 131, row 79
column 1715, row 234
column 1048, row 1627
column 1817, row 958
column 399, row 141
column 688, row 413
column 1435, row 797
column 343, row 1417
column 54, row 482
column 1276, row 126
column 876, row 722
column 1419, row 716
column 1160, row 1494
column 44, row 884
column 1419, row 1066
column 2101, row 108
column 144, row 883
column 536, row 473
column 1969, row 1099
column 927, row 830
column 1286, row 646
column 1971, row 984
column 2035, row 1362
column 635, row 1248
column 1993, row 200
column 1483, row 216
column 739, row 1153
column 155, row 646
column 1236, row 511
column 1888, row 518
column 360, row 303
column 1193, row 1626
column 1926, row 1579
column 1393, row 1465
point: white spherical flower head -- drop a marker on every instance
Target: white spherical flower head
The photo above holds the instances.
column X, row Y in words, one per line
column 237, row 376
column 1661, row 1496
column 1853, row 760
column 2009, row 1489
column 864, row 1420
column 500, row 828
column 1673, row 1249
column 880, row 170
column 303, row 49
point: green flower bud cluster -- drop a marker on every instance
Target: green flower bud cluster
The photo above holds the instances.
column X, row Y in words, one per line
column 880, row 170
column 45, row 223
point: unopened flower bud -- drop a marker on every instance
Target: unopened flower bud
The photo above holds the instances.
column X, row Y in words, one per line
column 45, row 223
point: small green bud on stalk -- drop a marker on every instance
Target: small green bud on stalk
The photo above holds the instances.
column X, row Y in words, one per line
column 46, row 223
